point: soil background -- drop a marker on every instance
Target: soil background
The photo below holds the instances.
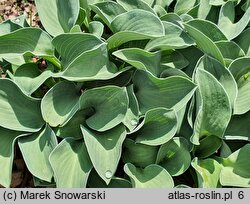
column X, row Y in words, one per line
column 10, row 9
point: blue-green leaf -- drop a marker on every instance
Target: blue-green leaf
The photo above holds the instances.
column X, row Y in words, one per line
column 153, row 176
column 135, row 4
column 135, row 25
column 18, row 111
column 25, row 41
column 174, row 91
column 141, row 59
column 56, row 16
column 236, row 168
column 240, row 69
column 226, row 20
column 204, row 42
column 174, row 156
column 139, row 154
column 70, row 158
column 36, row 149
column 60, row 103
column 175, row 38
column 157, row 128
column 104, row 149
column 208, row 172
column 214, row 111
column 8, row 138
column 109, row 104
column 107, row 11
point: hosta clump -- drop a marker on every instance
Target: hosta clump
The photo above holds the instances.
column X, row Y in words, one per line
column 128, row 93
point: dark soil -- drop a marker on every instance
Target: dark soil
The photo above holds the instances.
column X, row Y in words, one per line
column 12, row 8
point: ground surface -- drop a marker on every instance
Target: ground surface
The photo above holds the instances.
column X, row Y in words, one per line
column 11, row 8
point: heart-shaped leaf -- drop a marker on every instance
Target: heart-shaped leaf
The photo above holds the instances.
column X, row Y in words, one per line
column 128, row 21
column 139, row 154
column 158, row 127
column 29, row 78
column 109, row 103
column 226, row 20
column 208, row 28
column 141, row 59
column 8, row 138
column 175, row 38
column 20, row 112
column 215, row 110
column 149, row 84
column 40, row 144
column 105, row 149
column 204, row 42
column 222, row 74
column 25, row 40
column 236, row 170
column 101, row 67
column 153, row 176
column 107, row 11
column 70, row 158
column 240, row 69
column 174, row 156
column 58, row 17
column 135, row 25
column 208, row 172
column 60, row 103
column 71, row 46
column 174, row 91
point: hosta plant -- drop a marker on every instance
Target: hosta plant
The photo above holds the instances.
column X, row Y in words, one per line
column 128, row 93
